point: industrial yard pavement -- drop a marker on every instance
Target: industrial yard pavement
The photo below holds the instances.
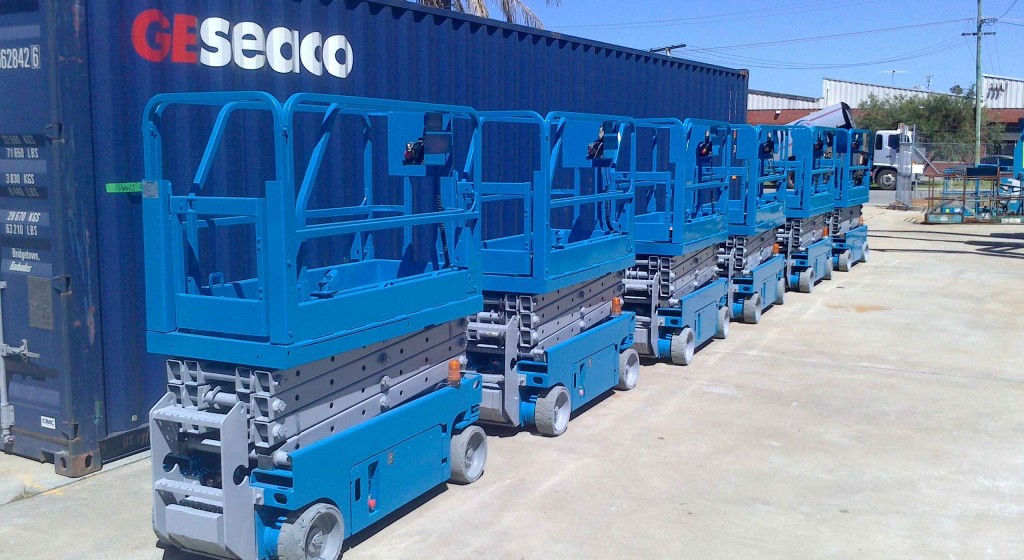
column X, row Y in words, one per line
column 879, row 417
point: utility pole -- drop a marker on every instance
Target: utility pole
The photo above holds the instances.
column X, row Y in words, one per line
column 977, row 82
column 667, row 51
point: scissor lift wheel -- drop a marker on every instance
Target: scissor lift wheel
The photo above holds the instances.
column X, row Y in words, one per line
column 469, row 455
column 315, row 534
column 724, row 318
column 828, row 269
column 780, row 294
column 752, row 309
column 806, row 281
column 844, row 261
column 864, row 257
column 553, row 411
column 681, row 350
column 629, row 369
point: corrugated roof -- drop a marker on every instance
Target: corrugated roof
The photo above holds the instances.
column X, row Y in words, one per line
column 767, row 100
column 1001, row 92
column 856, row 93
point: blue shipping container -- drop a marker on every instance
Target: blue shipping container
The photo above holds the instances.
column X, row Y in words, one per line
column 74, row 78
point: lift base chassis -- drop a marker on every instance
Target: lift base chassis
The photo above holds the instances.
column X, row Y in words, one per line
column 808, row 251
column 849, row 238
column 764, row 284
column 237, row 450
column 670, row 294
column 525, row 345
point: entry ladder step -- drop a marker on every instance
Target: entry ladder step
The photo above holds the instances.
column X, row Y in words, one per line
column 189, row 417
column 189, row 489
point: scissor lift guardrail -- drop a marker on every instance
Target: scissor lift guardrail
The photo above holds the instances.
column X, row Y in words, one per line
column 853, row 150
column 313, row 389
column 558, row 232
column 750, row 257
column 682, row 183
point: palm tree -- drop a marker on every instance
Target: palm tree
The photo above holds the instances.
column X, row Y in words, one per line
column 515, row 11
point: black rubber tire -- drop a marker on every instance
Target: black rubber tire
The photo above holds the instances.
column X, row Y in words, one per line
column 806, row 281
column 682, row 347
column 469, row 455
column 302, row 536
column 886, row 179
column 724, row 318
column 552, row 412
column 752, row 309
column 629, row 369
column 780, row 296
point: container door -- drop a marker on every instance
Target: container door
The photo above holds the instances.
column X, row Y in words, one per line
column 47, row 238
column 27, row 225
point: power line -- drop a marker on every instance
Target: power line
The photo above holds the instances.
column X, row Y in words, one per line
column 788, row 9
column 989, row 52
column 751, row 62
column 835, row 35
column 1008, row 10
column 995, row 49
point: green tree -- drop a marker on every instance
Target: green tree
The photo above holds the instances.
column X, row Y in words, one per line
column 940, row 119
column 514, row 11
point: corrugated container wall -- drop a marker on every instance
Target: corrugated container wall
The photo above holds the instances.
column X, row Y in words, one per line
column 74, row 77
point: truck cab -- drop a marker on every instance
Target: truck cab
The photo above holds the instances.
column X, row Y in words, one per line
column 886, row 157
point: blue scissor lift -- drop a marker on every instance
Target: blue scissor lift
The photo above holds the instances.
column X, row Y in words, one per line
column 682, row 183
column 853, row 151
column 756, row 212
column 309, row 271
column 557, row 227
column 807, row 158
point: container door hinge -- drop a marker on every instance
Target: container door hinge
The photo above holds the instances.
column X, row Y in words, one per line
column 54, row 132
column 62, row 283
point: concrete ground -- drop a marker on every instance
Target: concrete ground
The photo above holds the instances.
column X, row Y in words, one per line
column 879, row 417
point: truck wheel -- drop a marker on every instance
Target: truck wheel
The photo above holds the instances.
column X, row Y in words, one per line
column 629, row 369
column 681, row 350
column 551, row 415
column 315, row 534
column 469, row 455
column 886, row 179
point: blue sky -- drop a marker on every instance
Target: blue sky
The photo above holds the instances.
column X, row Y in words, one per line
column 923, row 48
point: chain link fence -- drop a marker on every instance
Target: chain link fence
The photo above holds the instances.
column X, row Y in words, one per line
column 942, row 154
column 924, row 162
